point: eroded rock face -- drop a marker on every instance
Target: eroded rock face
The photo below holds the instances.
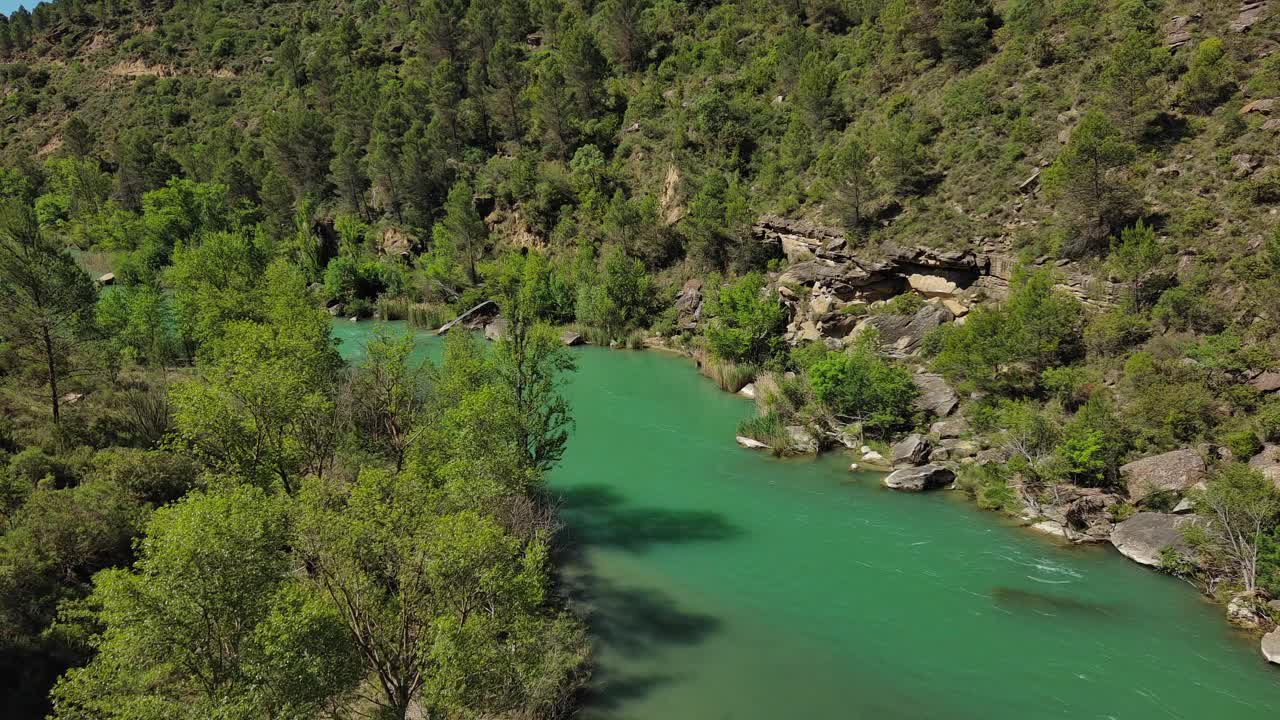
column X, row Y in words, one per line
column 689, row 305
column 1246, row 610
column 1175, row 471
column 1142, row 537
column 911, row 450
column 497, row 330
column 919, row 479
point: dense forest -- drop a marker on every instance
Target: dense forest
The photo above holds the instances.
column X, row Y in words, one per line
column 206, row 512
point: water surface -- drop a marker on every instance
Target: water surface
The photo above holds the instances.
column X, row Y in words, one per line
column 722, row 584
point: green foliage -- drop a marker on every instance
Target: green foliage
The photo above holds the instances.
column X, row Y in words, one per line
column 618, row 298
column 859, row 386
column 1242, row 507
column 1208, row 76
column 1005, row 349
column 207, row 623
column 1084, row 178
column 747, row 321
column 964, row 32
column 46, row 305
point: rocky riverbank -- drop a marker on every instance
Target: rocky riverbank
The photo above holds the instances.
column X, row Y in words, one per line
column 835, row 293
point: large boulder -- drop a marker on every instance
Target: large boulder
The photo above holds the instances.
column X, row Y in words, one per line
column 911, row 450
column 571, row 338
column 936, row 396
column 1267, row 462
column 1175, row 471
column 902, row 334
column 951, row 427
column 918, row 479
column 1142, row 537
column 1271, row 646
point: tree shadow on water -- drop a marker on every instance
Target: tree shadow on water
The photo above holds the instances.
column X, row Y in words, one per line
column 627, row 620
column 598, row 516
column 637, row 623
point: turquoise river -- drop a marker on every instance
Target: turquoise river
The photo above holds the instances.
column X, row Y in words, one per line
column 721, row 584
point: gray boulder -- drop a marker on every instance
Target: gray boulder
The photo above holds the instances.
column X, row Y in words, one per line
column 1142, row 537
column 802, row 441
column 918, row 479
column 936, row 396
column 1175, row 471
column 951, row 427
column 1271, row 646
column 1267, row 462
column 751, row 444
column 571, row 338
column 911, row 450
column 902, row 334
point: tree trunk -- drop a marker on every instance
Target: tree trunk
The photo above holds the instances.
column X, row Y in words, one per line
column 53, row 376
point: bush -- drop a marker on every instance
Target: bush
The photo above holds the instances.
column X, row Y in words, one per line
column 1007, row 348
column 769, row 429
column 1208, row 76
column 747, row 321
column 1243, row 444
column 155, row 476
column 859, row 386
column 730, row 376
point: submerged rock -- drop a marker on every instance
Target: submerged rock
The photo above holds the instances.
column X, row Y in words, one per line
column 918, row 479
column 1174, row 471
column 1142, row 537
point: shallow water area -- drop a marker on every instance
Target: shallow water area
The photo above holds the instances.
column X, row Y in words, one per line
column 724, row 584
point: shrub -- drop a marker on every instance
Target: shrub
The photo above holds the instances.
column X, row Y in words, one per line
column 1208, row 76
column 1005, row 349
column 747, row 321
column 859, row 386
column 730, row 376
column 768, row 429
column 1243, row 444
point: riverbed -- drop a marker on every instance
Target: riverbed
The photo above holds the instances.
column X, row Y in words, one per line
column 722, row 584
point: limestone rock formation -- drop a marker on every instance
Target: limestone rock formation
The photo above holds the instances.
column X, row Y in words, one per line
column 936, row 396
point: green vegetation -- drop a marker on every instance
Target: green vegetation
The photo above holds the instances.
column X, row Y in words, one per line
column 234, row 175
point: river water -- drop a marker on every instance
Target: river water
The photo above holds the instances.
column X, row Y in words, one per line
column 722, row 584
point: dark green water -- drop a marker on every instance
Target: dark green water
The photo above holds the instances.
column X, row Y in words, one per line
column 726, row 585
